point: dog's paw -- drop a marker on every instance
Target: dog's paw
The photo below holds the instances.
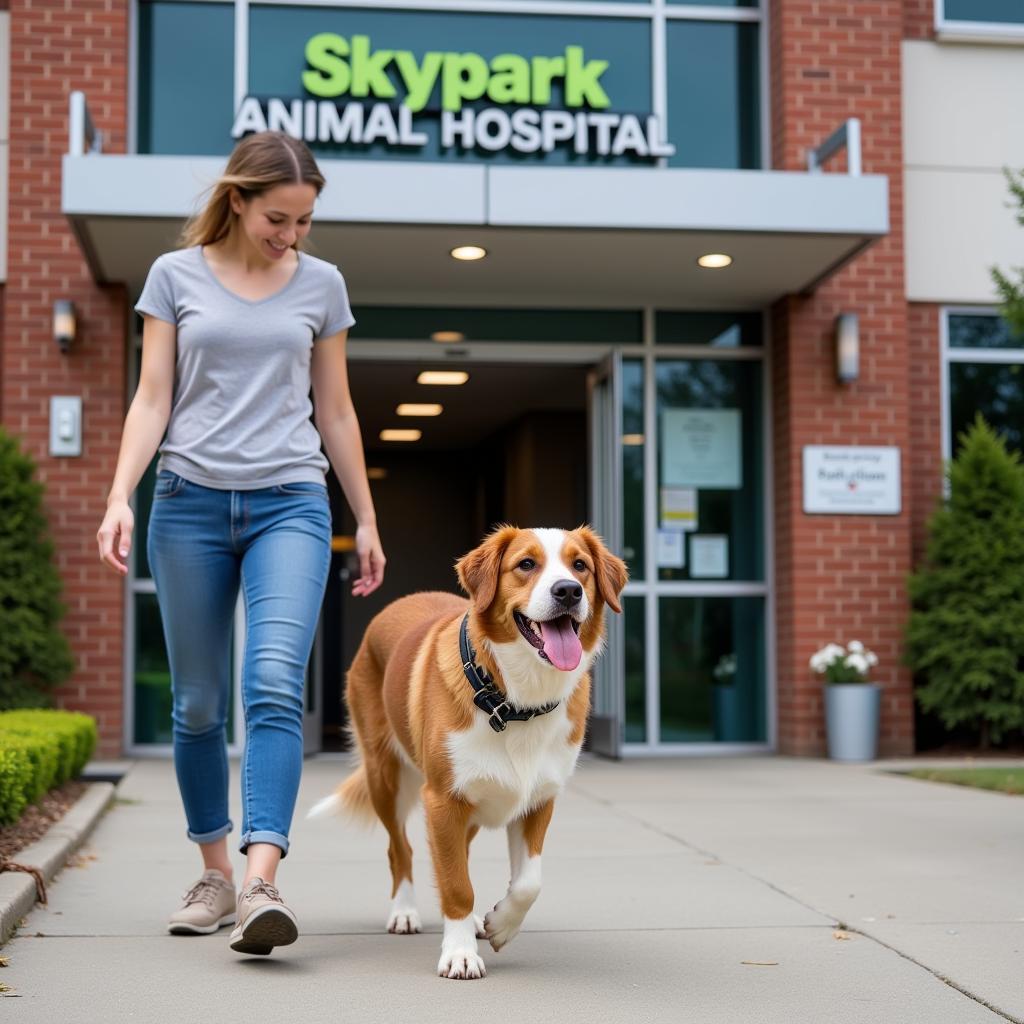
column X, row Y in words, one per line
column 404, row 922
column 481, row 930
column 462, row 964
column 501, row 926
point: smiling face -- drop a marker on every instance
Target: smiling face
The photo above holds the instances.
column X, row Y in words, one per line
column 545, row 589
column 275, row 221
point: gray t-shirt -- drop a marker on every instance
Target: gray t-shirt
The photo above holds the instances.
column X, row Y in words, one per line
column 240, row 417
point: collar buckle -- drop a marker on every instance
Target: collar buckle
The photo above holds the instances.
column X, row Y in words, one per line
column 495, row 720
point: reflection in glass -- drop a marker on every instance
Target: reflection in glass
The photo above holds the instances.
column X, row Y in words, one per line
column 635, row 730
column 633, row 466
column 996, row 390
column 728, row 518
column 981, row 330
column 712, row 669
column 152, row 674
column 713, row 85
column 716, row 330
column 1009, row 12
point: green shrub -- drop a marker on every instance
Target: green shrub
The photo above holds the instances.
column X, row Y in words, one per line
column 40, row 749
column 15, row 779
column 34, row 654
column 965, row 636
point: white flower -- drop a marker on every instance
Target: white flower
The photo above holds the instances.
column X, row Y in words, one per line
column 833, row 652
column 872, row 658
column 855, row 647
column 858, row 663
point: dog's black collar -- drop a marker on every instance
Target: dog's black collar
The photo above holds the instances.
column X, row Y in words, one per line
column 490, row 700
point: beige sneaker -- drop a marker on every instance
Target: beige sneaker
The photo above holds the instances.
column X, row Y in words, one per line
column 209, row 905
column 263, row 920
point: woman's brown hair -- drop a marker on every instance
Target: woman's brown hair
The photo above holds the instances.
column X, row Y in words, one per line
column 258, row 163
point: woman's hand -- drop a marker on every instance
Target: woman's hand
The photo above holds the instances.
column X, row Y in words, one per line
column 371, row 561
column 115, row 536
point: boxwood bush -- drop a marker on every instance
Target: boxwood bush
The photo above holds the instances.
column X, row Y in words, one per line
column 40, row 749
column 34, row 653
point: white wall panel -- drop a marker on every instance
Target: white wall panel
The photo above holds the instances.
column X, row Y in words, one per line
column 962, row 125
column 958, row 226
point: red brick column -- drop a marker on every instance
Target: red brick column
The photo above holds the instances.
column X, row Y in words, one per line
column 840, row 577
column 925, row 467
column 58, row 46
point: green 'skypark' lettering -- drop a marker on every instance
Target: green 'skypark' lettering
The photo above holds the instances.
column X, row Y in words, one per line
column 338, row 66
column 351, row 68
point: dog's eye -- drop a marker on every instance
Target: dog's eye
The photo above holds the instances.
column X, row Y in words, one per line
column 527, row 564
column 579, row 565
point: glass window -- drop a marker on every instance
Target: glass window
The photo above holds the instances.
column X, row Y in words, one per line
column 633, row 466
column 186, row 77
column 714, row 94
column 635, row 726
column 710, row 473
column 718, row 330
column 712, row 655
column 981, row 330
column 996, row 390
column 1008, row 12
column 419, row 323
column 152, row 674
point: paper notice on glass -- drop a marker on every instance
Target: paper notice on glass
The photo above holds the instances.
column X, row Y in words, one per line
column 678, row 508
column 671, row 550
column 709, row 556
column 701, row 448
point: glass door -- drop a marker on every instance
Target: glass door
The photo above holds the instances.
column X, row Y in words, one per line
column 604, row 384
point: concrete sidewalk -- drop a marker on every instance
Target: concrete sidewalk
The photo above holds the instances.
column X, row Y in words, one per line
column 702, row 891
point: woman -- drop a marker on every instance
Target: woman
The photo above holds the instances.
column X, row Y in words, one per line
column 238, row 324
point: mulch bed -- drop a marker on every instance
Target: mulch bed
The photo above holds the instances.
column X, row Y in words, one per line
column 37, row 818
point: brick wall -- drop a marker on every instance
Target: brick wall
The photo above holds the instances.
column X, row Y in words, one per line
column 919, row 19
column 840, row 577
column 925, row 418
column 58, row 46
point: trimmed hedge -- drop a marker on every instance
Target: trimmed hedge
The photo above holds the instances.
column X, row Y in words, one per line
column 40, row 749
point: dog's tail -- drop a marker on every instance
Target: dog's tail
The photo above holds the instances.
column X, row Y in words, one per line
column 351, row 799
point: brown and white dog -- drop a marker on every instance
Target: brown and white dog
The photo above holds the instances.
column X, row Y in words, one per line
column 535, row 624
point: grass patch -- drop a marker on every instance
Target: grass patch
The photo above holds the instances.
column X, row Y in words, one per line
column 1002, row 780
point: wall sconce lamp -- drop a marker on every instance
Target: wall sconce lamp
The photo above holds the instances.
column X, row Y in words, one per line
column 64, row 324
column 847, row 348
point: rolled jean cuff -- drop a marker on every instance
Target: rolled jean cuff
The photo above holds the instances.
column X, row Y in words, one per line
column 210, row 837
column 274, row 838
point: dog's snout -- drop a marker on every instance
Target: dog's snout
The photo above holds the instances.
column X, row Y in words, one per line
column 567, row 593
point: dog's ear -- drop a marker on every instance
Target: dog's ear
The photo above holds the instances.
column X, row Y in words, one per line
column 480, row 570
column 610, row 572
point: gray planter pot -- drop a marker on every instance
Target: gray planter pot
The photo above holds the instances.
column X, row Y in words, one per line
column 851, row 720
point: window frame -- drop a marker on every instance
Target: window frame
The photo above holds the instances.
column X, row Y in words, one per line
column 960, row 30
column 950, row 354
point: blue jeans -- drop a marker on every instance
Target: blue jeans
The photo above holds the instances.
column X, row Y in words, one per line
column 203, row 543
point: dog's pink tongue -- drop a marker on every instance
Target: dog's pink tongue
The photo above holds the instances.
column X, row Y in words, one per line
column 561, row 644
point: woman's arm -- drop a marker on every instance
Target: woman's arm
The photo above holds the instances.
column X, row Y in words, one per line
column 144, row 428
column 336, row 420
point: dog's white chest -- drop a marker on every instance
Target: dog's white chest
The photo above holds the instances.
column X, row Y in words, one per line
column 507, row 774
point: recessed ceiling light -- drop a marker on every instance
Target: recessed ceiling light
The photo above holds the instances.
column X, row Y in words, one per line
column 468, row 252
column 442, row 377
column 376, row 473
column 419, row 409
column 447, row 336
column 715, row 260
column 401, row 435
column 632, row 438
